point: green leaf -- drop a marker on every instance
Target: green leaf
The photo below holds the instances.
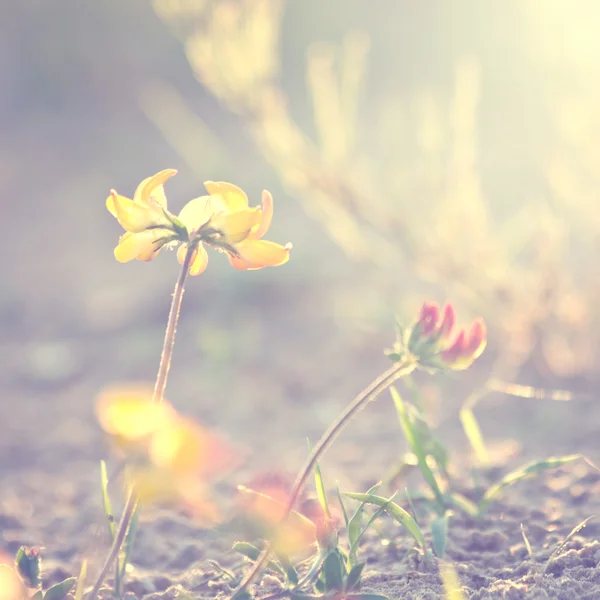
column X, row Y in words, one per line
column 290, row 572
column 333, row 569
column 395, row 511
column 530, row 469
column 60, row 590
column 37, row 596
column 439, row 535
column 355, row 523
column 252, row 552
column 354, row 578
column 414, row 442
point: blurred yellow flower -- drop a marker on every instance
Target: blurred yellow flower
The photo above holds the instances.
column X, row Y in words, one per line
column 170, row 457
column 11, row 585
column 222, row 220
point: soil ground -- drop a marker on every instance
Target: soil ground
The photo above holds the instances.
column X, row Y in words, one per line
column 282, row 377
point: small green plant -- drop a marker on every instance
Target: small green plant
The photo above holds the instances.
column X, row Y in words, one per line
column 28, row 565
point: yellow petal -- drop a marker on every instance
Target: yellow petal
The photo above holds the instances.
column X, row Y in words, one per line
column 182, row 447
column 128, row 412
column 237, row 225
column 136, row 217
column 199, row 262
column 110, row 202
column 197, row 212
column 137, row 245
column 11, row 585
column 256, row 254
column 232, row 197
column 152, row 188
column 267, row 216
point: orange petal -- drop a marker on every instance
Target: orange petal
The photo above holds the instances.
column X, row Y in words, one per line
column 267, row 216
column 137, row 245
column 237, row 225
column 199, row 262
column 151, row 188
column 256, row 254
column 197, row 212
column 232, row 197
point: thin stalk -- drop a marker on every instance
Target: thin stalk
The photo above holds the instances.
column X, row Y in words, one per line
column 369, row 393
column 157, row 396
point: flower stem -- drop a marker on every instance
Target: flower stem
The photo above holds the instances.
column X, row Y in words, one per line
column 157, row 396
column 369, row 393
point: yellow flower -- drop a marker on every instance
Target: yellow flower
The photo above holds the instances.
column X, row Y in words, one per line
column 222, row 220
column 232, row 227
column 169, row 457
column 148, row 224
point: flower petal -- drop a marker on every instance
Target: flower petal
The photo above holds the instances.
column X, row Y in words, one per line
column 199, row 262
column 151, row 188
column 256, row 254
column 237, row 225
column 197, row 212
column 137, row 245
column 232, row 197
column 267, row 216
column 136, row 217
column 128, row 411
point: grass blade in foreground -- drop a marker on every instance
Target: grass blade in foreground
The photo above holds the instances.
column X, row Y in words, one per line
column 529, row 470
column 395, row 511
column 415, row 443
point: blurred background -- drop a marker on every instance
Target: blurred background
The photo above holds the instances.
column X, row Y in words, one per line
column 443, row 150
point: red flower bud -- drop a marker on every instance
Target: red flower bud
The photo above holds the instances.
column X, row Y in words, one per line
column 428, row 320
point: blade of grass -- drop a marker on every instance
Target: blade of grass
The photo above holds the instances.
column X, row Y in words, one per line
column 344, row 513
column 110, row 519
column 395, row 511
column 474, row 435
column 128, row 543
column 527, row 544
column 81, row 581
column 574, row 531
column 529, row 470
column 414, row 442
column 374, row 517
column 355, row 526
column 320, row 487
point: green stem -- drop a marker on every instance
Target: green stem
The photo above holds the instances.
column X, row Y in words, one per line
column 157, row 396
column 369, row 393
